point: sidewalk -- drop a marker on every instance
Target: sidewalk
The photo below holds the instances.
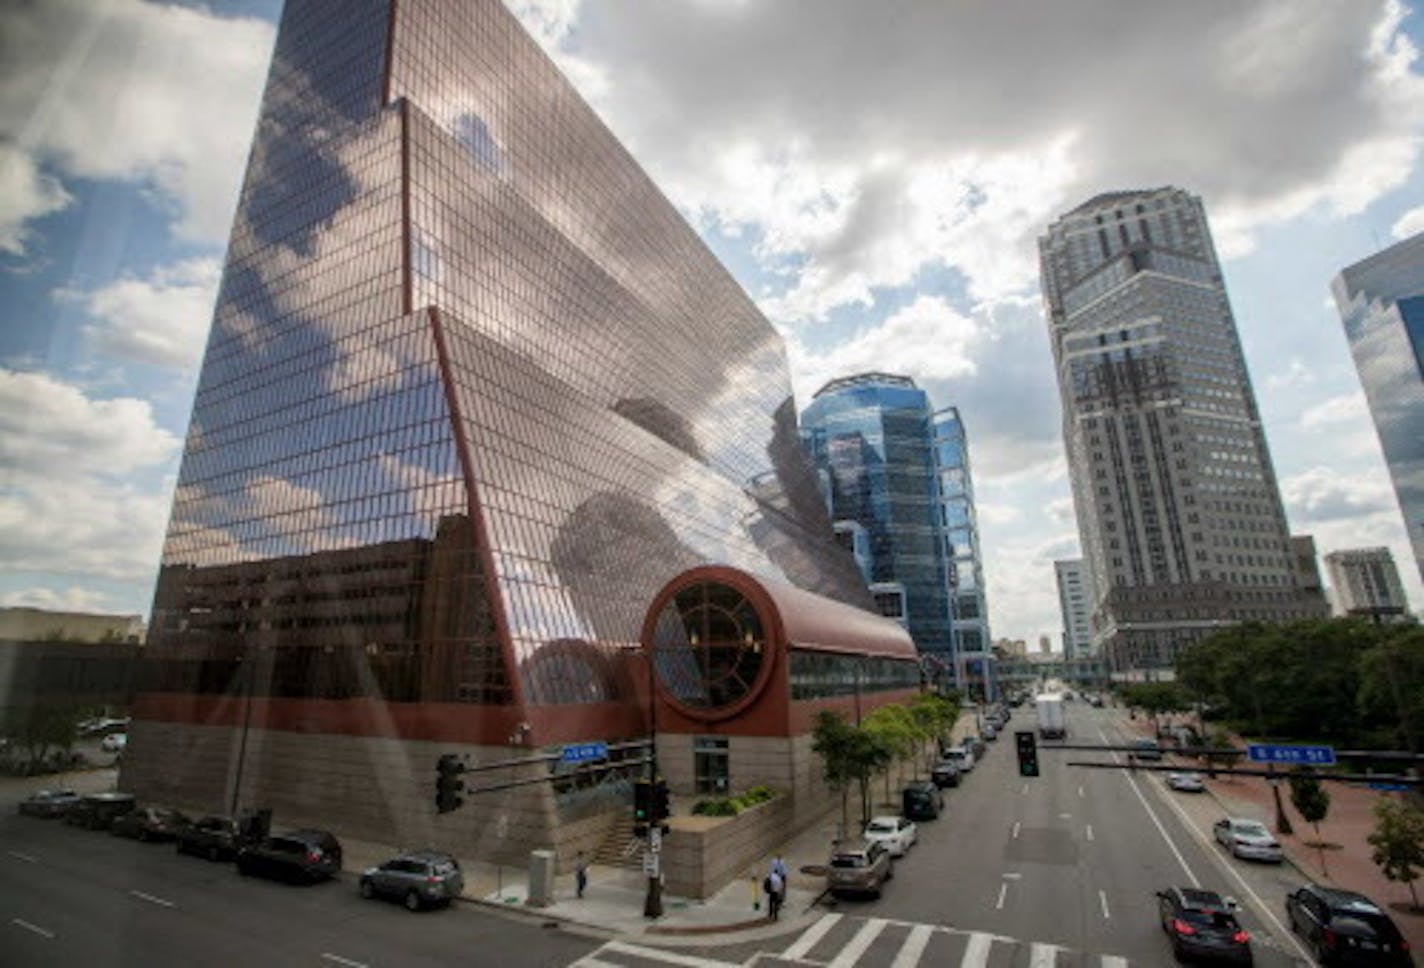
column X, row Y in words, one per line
column 1347, row 824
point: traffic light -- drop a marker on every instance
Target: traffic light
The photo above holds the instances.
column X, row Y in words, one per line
column 448, row 784
column 1028, row 752
column 662, row 805
column 643, row 802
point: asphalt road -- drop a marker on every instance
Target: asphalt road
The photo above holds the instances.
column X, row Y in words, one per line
column 1073, row 858
column 72, row 896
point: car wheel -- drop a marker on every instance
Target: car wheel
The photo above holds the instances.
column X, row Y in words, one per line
column 412, row 901
column 368, row 890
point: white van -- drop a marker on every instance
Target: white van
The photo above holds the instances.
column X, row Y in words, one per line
column 960, row 756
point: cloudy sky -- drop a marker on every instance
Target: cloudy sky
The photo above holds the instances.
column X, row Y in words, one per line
column 875, row 176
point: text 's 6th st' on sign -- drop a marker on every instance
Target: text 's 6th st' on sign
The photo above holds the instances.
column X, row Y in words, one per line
column 1295, row 755
column 585, row 752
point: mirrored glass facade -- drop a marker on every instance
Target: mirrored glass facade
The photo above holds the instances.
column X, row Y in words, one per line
column 965, row 574
column 871, row 437
column 1381, row 302
column 473, row 393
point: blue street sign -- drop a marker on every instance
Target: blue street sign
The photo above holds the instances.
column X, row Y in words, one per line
column 1390, row 786
column 585, row 752
column 1302, row 755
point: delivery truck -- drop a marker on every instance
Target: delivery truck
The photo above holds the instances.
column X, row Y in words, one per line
column 1050, row 716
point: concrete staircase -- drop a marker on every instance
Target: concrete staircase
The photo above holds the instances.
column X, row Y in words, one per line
column 620, row 847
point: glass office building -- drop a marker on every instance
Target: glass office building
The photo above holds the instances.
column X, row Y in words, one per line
column 1179, row 513
column 872, row 438
column 1381, row 301
column 965, row 571
column 473, row 393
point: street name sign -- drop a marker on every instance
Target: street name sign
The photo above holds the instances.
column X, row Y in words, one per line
column 585, row 752
column 1398, row 787
column 1296, row 755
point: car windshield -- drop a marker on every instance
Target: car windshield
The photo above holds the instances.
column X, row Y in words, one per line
column 881, row 827
column 1362, row 925
column 848, row 860
column 1250, row 828
column 1220, row 920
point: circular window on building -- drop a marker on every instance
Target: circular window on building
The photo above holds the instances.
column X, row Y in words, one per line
column 709, row 647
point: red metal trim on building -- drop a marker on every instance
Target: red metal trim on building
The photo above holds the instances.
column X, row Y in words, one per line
column 390, row 56
column 486, row 552
column 407, row 285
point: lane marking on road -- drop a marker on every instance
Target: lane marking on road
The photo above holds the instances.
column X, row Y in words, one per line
column 1043, row 955
column 24, row 857
column 863, row 939
column 810, row 936
column 1186, row 868
column 1089, row 831
column 1103, row 897
column 1065, row 816
column 343, row 961
column 914, row 947
column 1003, row 889
column 1080, row 791
column 1016, row 830
column 1024, row 791
column 1209, row 845
column 666, row 956
column 1012, row 876
column 589, row 961
column 153, row 899
column 32, row 927
column 1113, row 961
column 976, row 954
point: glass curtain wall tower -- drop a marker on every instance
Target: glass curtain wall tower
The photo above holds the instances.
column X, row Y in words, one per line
column 965, row 570
column 473, row 393
column 871, row 437
column 1179, row 513
column 1381, row 301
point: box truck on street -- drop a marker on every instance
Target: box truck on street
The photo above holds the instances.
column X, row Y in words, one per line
column 1050, row 716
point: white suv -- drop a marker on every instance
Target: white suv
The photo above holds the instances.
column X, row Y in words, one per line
column 960, row 756
column 896, row 833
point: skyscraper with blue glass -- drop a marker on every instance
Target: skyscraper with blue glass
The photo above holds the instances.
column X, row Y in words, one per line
column 1381, row 301
column 965, row 574
column 872, row 437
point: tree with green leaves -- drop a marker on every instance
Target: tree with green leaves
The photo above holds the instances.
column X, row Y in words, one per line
column 898, row 733
column 1398, row 842
column 1217, row 739
column 1312, row 802
column 834, row 741
column 936, row 717
column 1392, row 685
column 42, row 729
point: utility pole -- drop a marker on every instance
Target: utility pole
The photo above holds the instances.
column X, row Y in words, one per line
column 652, row 856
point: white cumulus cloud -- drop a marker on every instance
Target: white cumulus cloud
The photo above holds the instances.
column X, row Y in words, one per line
column 162, row 319
column 25, row 193
column 1410, row 223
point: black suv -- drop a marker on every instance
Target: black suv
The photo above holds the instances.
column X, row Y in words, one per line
column 922, row 800
column 99, row 810
column 299, row 855
column 149, row 823
column 1345, row 928
column 1203, row 925
column 213, row 837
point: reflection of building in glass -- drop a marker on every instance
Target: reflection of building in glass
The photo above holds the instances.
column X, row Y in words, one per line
column 1179, row 514
column 1075, row 602
column 1365, row 582
column 872, row 437
column 1381, row 300
column 473, row 393
column 965, row 573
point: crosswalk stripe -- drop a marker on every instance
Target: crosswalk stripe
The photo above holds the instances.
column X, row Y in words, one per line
column 863, row 939
column 810, row 936
column 1113, row 961
column 1044, row 956
column 589, row 961
column 665, row 956
column 976, row 955
column 914, row 947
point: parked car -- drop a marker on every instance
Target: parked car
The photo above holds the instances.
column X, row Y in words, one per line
column 114, row 742
column 990, row 733
column 1147, row 750
column 1096, row 702
column 961, row 756
column 896, row 833
column 149, row 823
column 1186, row 782
column 104, row 724
column 419, row 878
column 859, row 869
column 48, row 803
column 98, row 810
column 215, row 838
column 1345, row 928
column 305, row 855
column 1203, row 925
column 977, row 746
column 922, row 800
column 945, row 774
column 1248, row 839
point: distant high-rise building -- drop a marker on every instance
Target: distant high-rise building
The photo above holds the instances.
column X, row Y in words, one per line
column 1366, row 582
column 1307, row 568
column 871, row 437
column 1075, row 601
column 1381, row 301
column 1179, row 513
column 960, row 525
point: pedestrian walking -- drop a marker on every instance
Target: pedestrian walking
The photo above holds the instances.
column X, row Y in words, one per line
column 778, row 866
column 775, row 894
column 581, row 873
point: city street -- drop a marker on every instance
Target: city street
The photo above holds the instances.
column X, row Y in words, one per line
column 76, row 897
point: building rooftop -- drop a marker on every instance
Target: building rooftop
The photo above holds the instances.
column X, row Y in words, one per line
column 865, row 380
